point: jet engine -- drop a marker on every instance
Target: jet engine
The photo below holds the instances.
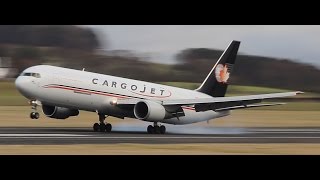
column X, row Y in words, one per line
column 59, row 112
column 150, row 111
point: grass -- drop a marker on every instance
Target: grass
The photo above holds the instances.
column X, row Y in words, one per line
column 185, row 85
column 162, row 149
column 253, row 90
column 268, row 118
column 234, row 90
column 9, row 95
column 291, row 106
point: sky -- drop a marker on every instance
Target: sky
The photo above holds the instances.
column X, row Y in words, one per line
column 162, row 42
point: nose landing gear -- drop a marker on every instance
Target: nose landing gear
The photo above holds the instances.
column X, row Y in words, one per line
column 34, row 114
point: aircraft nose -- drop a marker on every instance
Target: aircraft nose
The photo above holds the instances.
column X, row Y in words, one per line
column 21, row 83
column 25, row 86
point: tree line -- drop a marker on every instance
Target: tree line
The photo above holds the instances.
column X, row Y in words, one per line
column 255, row 70
column 66, row 36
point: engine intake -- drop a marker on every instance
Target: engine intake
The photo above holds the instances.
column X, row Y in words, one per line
column 59, row 112
column 149, row 111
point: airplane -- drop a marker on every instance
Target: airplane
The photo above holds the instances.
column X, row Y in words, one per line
column 63, row 92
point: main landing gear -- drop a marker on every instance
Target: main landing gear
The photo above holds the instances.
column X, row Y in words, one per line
column 156, row 129
column 102, row 127
column 34, row 114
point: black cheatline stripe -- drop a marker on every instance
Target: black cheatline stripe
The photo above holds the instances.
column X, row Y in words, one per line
column 92, row 90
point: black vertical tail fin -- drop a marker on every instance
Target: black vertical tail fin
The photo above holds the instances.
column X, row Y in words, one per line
column 216, row 82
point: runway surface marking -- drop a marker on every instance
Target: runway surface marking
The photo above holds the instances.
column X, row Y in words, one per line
column 169, row 137
column 284, row 130
column 42, row 135
column 287, row 132
column 61, row 136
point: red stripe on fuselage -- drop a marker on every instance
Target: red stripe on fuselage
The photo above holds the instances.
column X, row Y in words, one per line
column 152, row 95
column 86, row 91
column 99, row 93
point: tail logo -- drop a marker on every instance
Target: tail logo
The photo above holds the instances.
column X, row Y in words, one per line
column 222, row 74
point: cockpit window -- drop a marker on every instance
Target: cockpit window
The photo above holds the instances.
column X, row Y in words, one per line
column 37, row 75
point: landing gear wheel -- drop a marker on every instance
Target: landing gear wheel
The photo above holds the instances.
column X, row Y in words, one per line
column 156, row 130
column 96, row 127
column 102, row 127
column 150, row 129
column 108, row 127
column 162, row 129
column 34, row 115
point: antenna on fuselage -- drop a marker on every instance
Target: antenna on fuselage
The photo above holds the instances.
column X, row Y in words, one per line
column 83, row 69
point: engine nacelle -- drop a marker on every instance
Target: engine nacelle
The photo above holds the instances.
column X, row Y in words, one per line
column 149, row 111
column 59, row 112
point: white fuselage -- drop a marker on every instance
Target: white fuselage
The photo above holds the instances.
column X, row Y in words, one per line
column 89, row 91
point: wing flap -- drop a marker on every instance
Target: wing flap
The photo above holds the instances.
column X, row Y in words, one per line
column 248, row 106
column 222, row 105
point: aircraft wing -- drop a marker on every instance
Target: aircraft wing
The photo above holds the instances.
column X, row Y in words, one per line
column 228, row 103
column 218, row 103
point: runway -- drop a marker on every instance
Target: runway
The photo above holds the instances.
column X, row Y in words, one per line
column 59, row 136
